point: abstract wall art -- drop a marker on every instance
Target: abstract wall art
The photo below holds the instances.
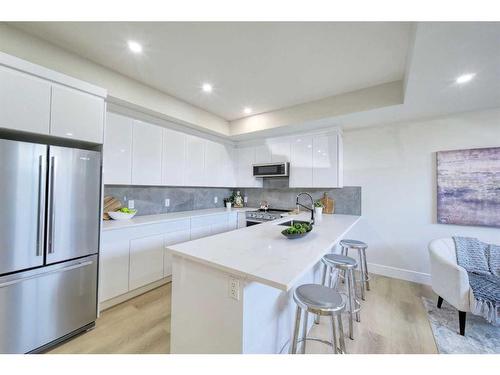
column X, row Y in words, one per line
column 468, row 187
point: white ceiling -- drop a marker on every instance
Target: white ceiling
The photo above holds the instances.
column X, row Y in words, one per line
column 265, row 66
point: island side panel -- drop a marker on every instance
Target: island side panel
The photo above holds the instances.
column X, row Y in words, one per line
column 204, row 318
column 269, row 315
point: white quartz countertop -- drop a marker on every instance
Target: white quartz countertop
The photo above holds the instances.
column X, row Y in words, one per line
column 261, row 253
column 153, row 219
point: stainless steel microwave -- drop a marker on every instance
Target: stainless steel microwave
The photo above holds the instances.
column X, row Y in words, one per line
column 271, row 169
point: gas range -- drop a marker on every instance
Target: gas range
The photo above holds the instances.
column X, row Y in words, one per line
column 261, row 215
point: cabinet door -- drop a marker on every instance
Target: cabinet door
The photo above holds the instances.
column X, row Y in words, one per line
column 200, row 232
column 229, row 166
column 280, row 151
column 195, row 161
column 263, row 154
column 232, row 221
column 114, row 269
column 146, row 260
column 77, row 115
column 214, row 162
column 325, row 161
column 146, row 154
column 174, row 158
column 242, row 220
column 25, row 102
column 117, row 150
column 301, row 162
column 246, row 158
column 172, row 239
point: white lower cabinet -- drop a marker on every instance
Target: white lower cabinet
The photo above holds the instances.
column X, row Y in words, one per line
column 146, row 260
column 136, row 256
column 114, row 267
column 172, row 239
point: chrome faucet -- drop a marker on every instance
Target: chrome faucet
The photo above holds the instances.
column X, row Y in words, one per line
column 307, row 208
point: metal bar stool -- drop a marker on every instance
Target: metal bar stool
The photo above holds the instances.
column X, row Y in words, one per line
column 320, row 300
column 361, row 248
column 347, row 265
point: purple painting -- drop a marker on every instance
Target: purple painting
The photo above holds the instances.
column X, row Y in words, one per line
column 468, row 187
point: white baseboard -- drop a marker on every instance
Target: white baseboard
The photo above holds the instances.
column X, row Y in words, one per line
column 400, row 273
column 103, row 305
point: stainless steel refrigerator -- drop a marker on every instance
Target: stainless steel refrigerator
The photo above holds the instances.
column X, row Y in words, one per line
column 49, row 243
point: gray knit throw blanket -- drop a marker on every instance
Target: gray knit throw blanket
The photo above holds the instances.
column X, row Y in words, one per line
column 482, row 263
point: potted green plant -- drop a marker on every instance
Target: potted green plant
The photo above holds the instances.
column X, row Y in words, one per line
column 228, row 201
column 318, row 208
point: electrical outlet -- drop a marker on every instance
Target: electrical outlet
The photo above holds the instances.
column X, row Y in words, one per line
column 131, row 204
column 167, row 202
column 216, row 200
column 234, row 289
column 245, row 199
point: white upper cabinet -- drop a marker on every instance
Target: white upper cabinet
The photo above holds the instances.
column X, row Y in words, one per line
column 195, row 161
column 263, row 154
column 219, row 165
column 280, row 150
column 24, row 102
column 327, row 160
column 245, row 160
column 301, row 162
column 117, row 150
column 146, row 154
column 174, row 157
column 77, row 115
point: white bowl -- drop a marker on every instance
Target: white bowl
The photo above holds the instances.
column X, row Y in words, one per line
column 117, row 215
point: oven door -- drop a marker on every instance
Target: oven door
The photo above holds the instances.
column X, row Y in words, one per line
column 251, row 222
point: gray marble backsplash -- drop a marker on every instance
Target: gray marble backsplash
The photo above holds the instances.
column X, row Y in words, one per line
column 150, row 200
column 347, row 199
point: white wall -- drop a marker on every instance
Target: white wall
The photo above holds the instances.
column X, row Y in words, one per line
column 121, row 90
column 395, row 166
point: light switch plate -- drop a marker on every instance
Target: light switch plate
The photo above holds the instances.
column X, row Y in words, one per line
column 167, row 202
column 245, row 199
column 216, row 200
column 131, row 204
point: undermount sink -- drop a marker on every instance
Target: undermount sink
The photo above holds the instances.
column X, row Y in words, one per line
column 291, row 222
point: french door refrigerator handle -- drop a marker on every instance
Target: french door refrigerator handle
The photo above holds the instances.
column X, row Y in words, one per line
column 58, row 270
column 41, row 213
column 51, row 205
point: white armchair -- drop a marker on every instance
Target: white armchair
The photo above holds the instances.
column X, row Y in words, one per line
column 449, row 280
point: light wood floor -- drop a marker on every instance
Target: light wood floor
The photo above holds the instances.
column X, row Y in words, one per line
column 393, row 320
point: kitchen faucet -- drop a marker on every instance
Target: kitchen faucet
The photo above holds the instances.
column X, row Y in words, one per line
column 307, row 208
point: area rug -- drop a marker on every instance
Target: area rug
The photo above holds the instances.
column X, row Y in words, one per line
column 480, row 337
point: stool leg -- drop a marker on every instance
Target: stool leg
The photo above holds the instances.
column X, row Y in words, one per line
column 356, row 302
column 366, row 270
column 351, row 304
column 323, row 280
column 304, row 330
column 341, row 333
column 362, row 271
column 295, row 337
column 334, row 335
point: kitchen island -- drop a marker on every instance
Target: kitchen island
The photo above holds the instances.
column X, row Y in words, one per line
column 232, row 292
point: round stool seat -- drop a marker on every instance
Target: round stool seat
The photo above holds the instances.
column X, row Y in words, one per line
column 353, row 244
column 340, row 261
column 319, row 299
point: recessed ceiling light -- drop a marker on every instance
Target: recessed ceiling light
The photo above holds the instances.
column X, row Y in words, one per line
column 465, row 78
column 207, row 87
column 247, row 110
column 134, row 46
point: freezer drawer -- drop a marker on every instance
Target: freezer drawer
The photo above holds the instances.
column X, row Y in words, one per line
column 73, row 203
column 40, row 306
column 22, row 188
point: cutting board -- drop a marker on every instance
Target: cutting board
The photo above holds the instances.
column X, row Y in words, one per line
column 329, row 204
column 110, row 204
